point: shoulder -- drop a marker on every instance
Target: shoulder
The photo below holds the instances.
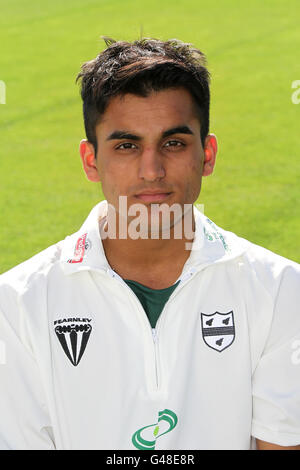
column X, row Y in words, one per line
column 257, row 258
column 266, row 263
column 270, row 268
column 257, row 264
column 23, row 293
column 32, row 271
column 270, row 284
column 270, row 276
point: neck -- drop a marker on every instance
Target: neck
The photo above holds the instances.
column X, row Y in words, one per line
column 153, row 262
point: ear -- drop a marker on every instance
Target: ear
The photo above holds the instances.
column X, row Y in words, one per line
column 210, row 153
column 89, row 162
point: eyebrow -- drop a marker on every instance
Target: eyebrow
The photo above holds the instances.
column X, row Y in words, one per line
column 117, row 135
column 178, row 130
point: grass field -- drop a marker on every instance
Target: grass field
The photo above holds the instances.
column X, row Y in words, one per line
column 253, row 55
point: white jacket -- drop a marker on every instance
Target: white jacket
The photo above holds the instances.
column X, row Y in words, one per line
column 81, row 367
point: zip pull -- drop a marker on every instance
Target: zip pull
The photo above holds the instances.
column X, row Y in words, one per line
column 187, row 275
column 113, row 274
column 154, row 334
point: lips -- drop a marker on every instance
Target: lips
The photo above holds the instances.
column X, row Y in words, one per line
column 153, row 196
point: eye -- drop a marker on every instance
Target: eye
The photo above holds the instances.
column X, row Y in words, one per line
column 126, row 146
column 174, row 143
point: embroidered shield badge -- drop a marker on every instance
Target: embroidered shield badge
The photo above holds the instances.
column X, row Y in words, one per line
column 218, row 330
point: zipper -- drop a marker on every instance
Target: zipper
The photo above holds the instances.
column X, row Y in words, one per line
column 147, row 328
column 154, row 336
column 187, row 275
column 155, row 331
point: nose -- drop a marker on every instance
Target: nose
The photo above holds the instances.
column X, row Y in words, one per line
column 151, row 165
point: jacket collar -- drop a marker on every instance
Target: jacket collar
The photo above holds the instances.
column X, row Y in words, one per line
column 83, row 250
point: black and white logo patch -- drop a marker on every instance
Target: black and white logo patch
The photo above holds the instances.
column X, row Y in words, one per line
column 218, row 330
column 73, row 335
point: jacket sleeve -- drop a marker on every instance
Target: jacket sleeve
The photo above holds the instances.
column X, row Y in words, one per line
column 24, row 419
column 276, row 379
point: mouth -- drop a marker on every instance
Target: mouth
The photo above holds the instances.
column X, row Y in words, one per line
column 152, row 197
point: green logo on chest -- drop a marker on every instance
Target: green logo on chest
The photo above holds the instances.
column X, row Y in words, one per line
column 146, row 437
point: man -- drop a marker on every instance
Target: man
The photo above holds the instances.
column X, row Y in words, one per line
column 132, row 333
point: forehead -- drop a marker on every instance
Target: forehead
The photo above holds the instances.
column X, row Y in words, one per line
column 156, row 112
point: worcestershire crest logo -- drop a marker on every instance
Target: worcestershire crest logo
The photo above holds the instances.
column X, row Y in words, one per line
column 218, row 330
column 73, row 335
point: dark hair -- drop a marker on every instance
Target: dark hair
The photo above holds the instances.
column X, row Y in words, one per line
column 141, row 67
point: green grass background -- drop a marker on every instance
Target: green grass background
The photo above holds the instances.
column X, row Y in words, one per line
column 253, row 53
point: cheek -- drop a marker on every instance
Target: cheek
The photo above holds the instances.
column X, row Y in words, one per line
column 114, row 181
column 196, row 169
column 193, row 168
column 113, row 168
column 194, row 178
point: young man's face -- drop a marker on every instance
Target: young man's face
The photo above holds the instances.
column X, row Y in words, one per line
column 148, row 145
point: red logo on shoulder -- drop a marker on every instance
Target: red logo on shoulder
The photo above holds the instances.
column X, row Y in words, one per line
column 79, row 250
